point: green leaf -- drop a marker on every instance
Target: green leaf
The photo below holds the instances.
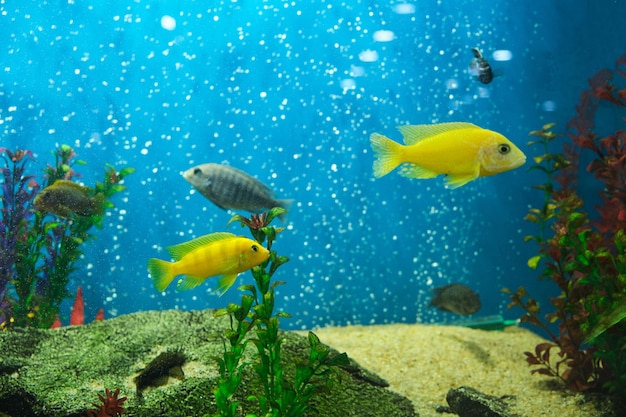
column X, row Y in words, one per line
column 532, row 218
column 338, row 360
column 126, row 171
column 581, row 258
column 577, row 219
column 529, row 238
column 237, row 218
column 313, row 339
column 277, row 283
column 275, row 212
column 534, row 261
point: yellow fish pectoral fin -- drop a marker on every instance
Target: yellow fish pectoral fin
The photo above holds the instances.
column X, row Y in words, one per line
column 189, row 283
column 458, row 180
column 416, row 171
column 225, row 282
column 162, row 273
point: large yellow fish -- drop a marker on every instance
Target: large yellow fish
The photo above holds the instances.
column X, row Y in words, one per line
column 210, row 255
column 462, row 151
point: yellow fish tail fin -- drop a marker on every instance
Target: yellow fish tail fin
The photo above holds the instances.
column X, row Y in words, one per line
column 162, row 273
column 225, row 282
column 387, row 152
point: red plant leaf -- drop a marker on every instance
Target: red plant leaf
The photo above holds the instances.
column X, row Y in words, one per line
column 600, row 78
column 543, row 371
column 604, row 93
column 531, row 359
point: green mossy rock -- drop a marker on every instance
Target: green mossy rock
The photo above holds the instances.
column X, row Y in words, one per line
column 61, row 372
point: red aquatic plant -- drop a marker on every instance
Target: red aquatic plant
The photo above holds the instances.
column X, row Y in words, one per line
column 609, row 162
column 77, row 315
column 584, row 255
column 111, row 405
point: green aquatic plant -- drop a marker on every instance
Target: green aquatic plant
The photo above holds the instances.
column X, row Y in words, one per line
column 588, row 263
column 39, row 250
column 254, row 321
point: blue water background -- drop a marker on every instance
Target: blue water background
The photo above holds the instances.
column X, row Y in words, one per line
column 289, row 91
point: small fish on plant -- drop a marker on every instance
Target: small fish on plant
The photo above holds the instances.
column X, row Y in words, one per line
column 231, row 188
column 456, row 298
column 461, row 151
column 480, row 68
column 67, row 198
column 217, row 254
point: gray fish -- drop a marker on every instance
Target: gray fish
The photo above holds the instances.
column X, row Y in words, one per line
column 480, row 68
column 456, row 298
column 230, row 188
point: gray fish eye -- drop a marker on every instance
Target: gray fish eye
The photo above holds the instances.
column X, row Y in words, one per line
column 504, row 148
column 197, row 171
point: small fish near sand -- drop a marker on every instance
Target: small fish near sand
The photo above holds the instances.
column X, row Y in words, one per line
column 461, row 151
column 66, row 198
column 231, row 188
column 456, row 298
column 216, row 254
column 480, row 68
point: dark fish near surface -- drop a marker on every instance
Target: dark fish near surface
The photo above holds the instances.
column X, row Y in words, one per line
column 456, row 298
column 66, row 198
column 480, row 68
column 230, row 188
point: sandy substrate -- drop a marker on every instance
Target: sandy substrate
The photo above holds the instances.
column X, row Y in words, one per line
column 422, row 362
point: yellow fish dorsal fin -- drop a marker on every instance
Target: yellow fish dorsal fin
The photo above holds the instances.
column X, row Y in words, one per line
column 177, row 252
column 414, row 133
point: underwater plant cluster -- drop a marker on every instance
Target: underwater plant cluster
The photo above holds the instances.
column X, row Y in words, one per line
column 583, row 255
column 278, row 395
column 41, row 238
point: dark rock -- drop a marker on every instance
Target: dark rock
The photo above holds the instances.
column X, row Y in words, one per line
column 61, row 372
column 468, row 402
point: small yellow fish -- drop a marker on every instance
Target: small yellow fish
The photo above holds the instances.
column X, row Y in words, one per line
column 206, row 256
column 462, row 151
column 66, row 198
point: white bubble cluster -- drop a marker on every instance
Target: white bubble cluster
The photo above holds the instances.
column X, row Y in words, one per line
column 168, row 22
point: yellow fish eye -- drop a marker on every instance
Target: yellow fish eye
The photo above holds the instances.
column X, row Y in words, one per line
column 504, row 148
column 255, row 248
